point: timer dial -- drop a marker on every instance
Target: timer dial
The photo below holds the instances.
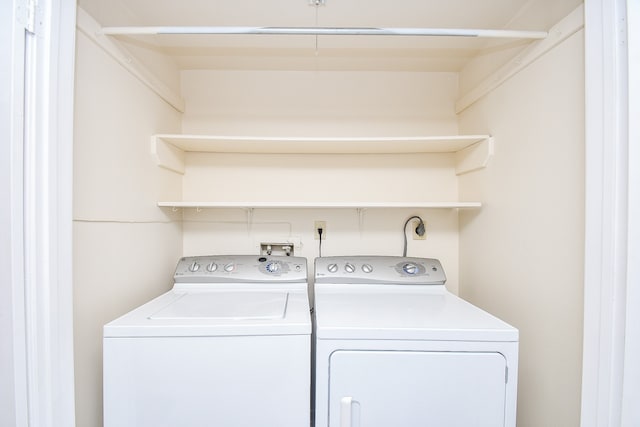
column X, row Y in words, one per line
column 410, row 268
column 272, row 267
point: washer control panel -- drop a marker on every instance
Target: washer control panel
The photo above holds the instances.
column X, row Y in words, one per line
column 241, row 269
column 379, row 269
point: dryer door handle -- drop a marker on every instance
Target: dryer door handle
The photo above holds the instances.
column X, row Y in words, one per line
column 345, row 411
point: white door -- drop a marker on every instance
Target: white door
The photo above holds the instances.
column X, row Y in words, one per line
column 417, row 388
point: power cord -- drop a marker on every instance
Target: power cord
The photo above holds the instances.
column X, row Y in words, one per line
column 320, row 242
column 419, row 231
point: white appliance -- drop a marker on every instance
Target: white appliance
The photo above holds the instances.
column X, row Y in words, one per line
column 395, row 348
column 229, row 345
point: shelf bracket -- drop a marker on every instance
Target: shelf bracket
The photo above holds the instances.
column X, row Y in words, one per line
column 167, row 155
column 564, row 29
column 474, row 157
column 92, row 29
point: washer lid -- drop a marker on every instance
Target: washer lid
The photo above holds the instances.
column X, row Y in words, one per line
column 396, row 312
column 217, row 312
column 225, row 305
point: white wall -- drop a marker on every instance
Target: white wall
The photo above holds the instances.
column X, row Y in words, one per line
column 319, row 103
column 281, row 103
column 521, row 256
column 125, row 248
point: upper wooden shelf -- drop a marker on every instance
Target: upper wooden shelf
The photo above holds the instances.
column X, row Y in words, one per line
column 169, row 149
column 319, row 205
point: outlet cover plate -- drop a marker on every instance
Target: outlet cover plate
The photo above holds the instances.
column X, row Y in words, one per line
column 320, row 224
column 414, row 224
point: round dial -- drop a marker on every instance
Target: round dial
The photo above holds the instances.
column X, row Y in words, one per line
column 349, row 268
column 367, row 268
column 212, row 267
column 273, row 267
column 332, row 268
column 410, row 268
column 194, row 267
column 229, row 267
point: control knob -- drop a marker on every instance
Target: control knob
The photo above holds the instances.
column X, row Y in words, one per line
column 194, row 267
column 332, row 268
column 273, row 267
column 349, row 268
column 367, row 268
column 212, row 267
column 229, row 267
column 410, row 268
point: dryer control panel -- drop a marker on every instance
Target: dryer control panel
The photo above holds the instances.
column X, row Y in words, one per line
column 379, row 270
column 241, row 269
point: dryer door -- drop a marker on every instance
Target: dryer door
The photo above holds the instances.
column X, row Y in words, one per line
column 417, row 388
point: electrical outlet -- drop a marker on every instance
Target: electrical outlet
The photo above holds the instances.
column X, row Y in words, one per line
column 414, row 224
column 320, row 224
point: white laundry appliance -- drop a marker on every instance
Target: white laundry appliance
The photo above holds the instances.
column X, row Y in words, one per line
column 229, row 346
column 395, row 348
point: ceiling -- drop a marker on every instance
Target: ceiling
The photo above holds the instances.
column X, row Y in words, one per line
column 414, row 53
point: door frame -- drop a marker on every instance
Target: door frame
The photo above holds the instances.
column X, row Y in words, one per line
column 36, row 325
column 13, row 386
column 610, row 386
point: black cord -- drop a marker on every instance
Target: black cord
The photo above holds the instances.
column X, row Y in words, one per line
column 419, row 230
column 320, row 242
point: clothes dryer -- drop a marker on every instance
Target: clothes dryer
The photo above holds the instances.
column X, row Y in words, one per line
column 229, row 345
column 395, row 348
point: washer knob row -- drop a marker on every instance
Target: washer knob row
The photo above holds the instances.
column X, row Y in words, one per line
column 211, row 267
column 349, row 268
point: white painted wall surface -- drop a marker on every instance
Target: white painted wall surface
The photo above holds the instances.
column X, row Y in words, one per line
column 279, row 103
column 125, row 248
column 319, row 103
column 521, row 256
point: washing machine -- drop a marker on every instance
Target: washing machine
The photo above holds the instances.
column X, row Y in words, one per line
column 394, row 348
column 229, row 345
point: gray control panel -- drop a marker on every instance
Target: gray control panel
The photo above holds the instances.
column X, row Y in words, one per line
column 379, row 269
column 241, row 269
